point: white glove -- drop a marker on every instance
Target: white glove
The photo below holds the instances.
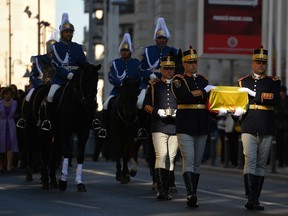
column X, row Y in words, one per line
column 238, row 112
column 174, row 114
column 153, row 76
column 209, row 87
column 222, row 112
column 70, row 76
column 249, row 91
column 161, row 113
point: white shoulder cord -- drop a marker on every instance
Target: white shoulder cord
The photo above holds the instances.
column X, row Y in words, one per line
column 39, row 68
column 63, row 62
column 148, row 60
column 117, row 73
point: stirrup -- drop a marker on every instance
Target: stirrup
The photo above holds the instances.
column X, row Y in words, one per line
column 102, row 133
column 142, row 134
column 96, row 124
column 21, row 123
column 46, row 125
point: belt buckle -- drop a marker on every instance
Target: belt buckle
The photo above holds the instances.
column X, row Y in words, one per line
column 256, row 106
column 198, row 106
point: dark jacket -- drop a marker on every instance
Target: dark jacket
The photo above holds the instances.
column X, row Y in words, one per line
column 259, row 121
column 189, row 90
column 159, row 96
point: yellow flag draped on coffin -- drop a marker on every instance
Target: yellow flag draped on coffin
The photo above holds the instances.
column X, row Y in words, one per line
column 227, row 97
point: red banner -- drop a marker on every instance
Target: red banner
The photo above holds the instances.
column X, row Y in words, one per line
column 232, row 27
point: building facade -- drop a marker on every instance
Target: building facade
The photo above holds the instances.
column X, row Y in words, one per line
column 138, row 17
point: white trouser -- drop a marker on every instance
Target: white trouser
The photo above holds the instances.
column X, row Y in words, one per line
column 256, row 150
column 192, row 150
column 52, row 91
column 29, row 94
column 106, row 103
column 165, row 150
column 141, row 97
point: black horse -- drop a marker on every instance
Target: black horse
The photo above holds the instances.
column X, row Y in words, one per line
column 75, row 106
column 123, row 127
column 37, row 153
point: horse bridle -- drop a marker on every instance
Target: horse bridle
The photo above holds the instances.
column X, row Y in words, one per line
column 81, row 97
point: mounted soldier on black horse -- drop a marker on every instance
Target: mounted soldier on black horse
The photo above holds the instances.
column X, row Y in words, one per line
column 71, row 102
column 40, row 79
column 120, row 116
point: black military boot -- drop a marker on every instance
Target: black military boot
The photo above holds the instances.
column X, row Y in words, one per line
column 191, row 182
column 259, row 180
column 162, row 178
column 46, row 124
column 103, row 131
column 166, row 181
column 172, row 186
column 251, row 187
column 160, row 184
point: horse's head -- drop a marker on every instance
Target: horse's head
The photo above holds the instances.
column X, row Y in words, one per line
column 84, row 84
column 85, row 80
column 179, row 69
column 129, row 90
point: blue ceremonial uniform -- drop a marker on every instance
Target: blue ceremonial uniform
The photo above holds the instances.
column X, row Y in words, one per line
column 151, row 62
column 120, row 69
column 189, row 92
column 159, row 96
column 66, row 58
column 260, row 121
column 38, row 69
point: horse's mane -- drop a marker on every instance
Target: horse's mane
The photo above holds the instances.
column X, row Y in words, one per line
column 78, row 99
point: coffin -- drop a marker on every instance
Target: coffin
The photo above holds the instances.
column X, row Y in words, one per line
column 228, row 97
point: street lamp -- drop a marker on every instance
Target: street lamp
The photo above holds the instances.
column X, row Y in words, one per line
column 10, row 40
column 29, row 13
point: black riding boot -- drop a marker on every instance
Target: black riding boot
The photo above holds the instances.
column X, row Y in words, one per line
column 172, row 186
column 21, row 123
column 162, row 178
column 259, row 180
column 46, row 124
column 142, row 132
column 251, row 188
column 103, row 131
column 96, row 124
column 191, row 182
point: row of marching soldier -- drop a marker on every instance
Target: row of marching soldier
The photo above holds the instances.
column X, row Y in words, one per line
column 179, row 116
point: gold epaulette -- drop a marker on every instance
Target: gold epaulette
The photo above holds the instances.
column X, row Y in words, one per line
column 153, row 82
column 179, row 75
column 243, row 78
column 202, row 76
column 274, row 78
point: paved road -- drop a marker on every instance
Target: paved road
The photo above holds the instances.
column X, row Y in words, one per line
column 220, row 193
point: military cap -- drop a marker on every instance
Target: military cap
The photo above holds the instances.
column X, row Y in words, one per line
column 167, row 61
column 190, row 55
column 260, row 54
